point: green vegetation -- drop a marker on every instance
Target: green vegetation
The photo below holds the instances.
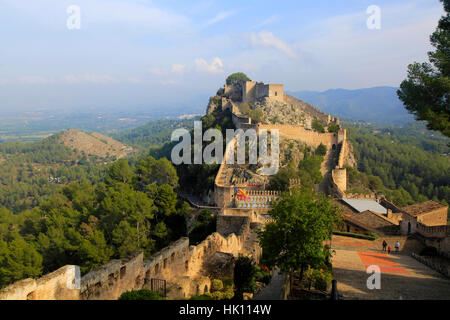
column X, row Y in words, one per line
column 307, row 170
column 244, row 275
column 153, row 134
column 143, row 294
column 236, row 78
column 87, row 225
column 321, row 150
column 31, row 172
column 319, row 279
column 306, row 221
column 426, row 91
column 198, row 179
column 203, row 227
column 372, row 236
column 317, row 125
column 397, row 166
column 333, row 127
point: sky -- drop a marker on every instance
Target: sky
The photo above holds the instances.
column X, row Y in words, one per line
column 131, row 54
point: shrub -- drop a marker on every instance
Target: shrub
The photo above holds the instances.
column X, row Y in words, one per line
column 237, row 77
column 321, row 150
column 318, row 126
column 229, row 293
column 356, row 235
column 244, row 274
column 321, row 279
column 143, row 294
column 227, row 283
column 333, row 127
column 218, row 295
column 216, row 285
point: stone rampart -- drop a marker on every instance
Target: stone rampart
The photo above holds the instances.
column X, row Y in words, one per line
column 180, row 264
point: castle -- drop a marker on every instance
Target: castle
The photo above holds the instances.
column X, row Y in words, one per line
column 186, row 269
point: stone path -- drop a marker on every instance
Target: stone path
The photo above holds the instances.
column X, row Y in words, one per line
column 402, row 277
column 274, row 290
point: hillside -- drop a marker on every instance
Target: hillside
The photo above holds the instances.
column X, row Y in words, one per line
column 376, row 105
column 30, row 172
column 93, row 144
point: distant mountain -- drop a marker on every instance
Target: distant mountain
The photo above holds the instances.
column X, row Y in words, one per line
column 378, row 104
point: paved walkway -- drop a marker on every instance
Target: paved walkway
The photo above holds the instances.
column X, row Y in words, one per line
column 402, row 277
column 274, row 290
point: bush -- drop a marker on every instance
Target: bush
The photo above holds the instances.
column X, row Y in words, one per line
column 143, row 294
column 317, row 125
column 236, row 77
column 216, row 285
column 321, row 279
column 321, row 150
column 263, row 277
column 372, row 237
column 227, row 283
column 218, row 295
column 333, row 127
column 228, row 294
column 244, row 274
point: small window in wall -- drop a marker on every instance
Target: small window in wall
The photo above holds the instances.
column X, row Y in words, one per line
column 157, row 268
column 165, row 263
column 276, row 93
column 206, row 289
column 186, row 265
column 123, row 271
column 172, row 257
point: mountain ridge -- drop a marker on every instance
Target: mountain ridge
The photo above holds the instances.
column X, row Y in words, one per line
column 376, row 104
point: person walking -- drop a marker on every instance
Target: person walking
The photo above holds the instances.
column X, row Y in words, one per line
column 389, row 249
column 384, row 245
column 397, row 246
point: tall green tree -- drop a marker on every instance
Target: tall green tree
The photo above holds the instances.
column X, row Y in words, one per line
column 152, row 171
column 18, row 260
column 426, row 91
column 295, row 240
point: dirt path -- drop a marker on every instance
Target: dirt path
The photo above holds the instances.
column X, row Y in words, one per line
column 402, row 277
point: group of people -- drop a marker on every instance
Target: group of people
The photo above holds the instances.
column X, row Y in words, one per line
column 386, row 246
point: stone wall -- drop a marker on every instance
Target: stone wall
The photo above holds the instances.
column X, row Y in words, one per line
column 310, row 137
column 180, row 264
column 58, row 285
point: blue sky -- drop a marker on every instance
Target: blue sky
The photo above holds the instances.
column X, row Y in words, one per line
column 144, row 54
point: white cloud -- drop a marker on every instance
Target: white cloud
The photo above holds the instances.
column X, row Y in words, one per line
column 169, row 82
column 215, row 67
column 134, row 80
column 35, row 80
column 90, row 78
column 178, row 68
column 219, row 17
column 156, row 71
column 267, row 39
column 267, row 21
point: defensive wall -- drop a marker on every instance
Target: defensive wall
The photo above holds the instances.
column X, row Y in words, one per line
column 180, row 264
